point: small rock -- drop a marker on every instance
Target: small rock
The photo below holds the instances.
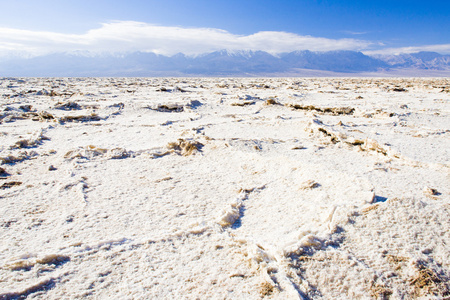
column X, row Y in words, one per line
column 8, row 185
column 43, row 93
column 26, row 108
column 68, row 106
column 399, row 89
column 271, row 101
column 52, row 168
column 2, row 172
column 427, row 250
column 298, row 148
column 430, row 191
column 310, row 184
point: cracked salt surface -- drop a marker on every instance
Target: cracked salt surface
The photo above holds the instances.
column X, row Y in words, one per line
column 314, row 189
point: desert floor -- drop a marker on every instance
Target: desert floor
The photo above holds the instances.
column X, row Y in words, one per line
column 224, row 188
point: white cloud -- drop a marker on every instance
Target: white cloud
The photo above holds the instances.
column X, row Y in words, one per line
column 125, row 36
column 441, row 48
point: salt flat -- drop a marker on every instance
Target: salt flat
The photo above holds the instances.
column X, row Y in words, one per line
column 224, row 188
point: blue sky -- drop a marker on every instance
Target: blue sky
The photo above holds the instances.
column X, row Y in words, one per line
column 368, row 26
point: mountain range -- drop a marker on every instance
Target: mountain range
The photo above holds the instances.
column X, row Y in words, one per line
column 221, row 63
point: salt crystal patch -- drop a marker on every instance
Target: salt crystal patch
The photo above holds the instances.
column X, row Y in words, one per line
column 231, row 214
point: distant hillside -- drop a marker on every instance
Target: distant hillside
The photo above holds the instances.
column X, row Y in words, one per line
column 419, row 60
column 219, row 63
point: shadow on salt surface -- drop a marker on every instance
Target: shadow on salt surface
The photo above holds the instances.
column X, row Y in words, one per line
column 378, row 199
column 3, row 173
column 42, row 287
column 195, row 104
column 238, row 222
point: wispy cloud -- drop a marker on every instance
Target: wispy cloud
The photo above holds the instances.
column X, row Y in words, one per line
column 354, row 32
column 441, row 48
column 126, row 36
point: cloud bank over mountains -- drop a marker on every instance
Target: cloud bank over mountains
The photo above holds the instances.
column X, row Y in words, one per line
column 127, row 48
column 130, row 36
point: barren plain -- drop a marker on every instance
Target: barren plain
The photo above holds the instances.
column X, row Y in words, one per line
column 224, row 188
